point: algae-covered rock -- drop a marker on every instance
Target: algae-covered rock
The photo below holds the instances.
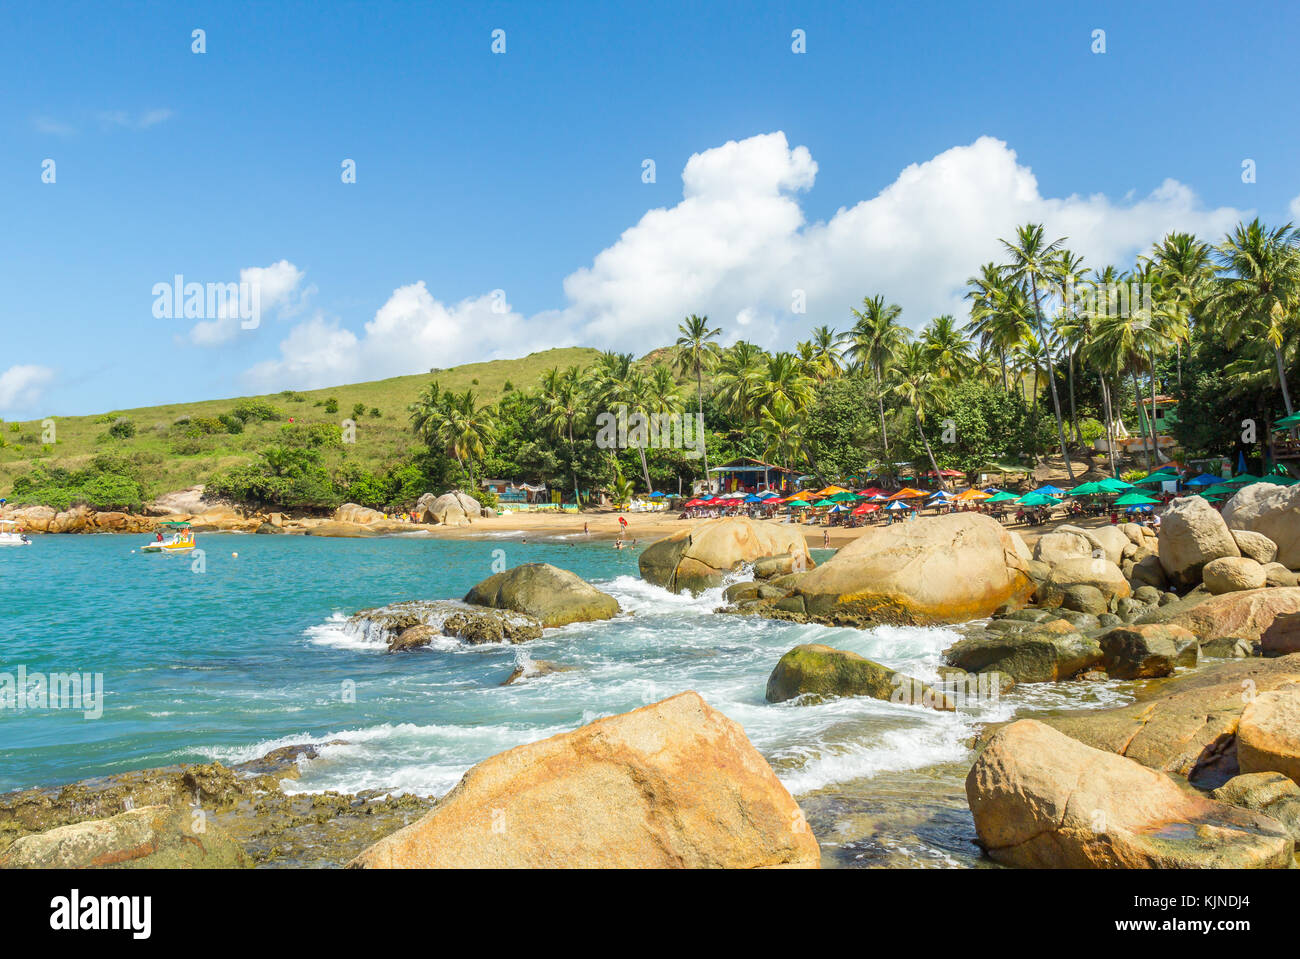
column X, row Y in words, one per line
column 1037, row 655
column 823, row 672
column 554, row 596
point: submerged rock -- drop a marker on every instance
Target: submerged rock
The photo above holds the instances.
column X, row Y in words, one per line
column 554, row 596
column 415, row 623
column 1042, row 800
column 674, row 784
column 823, row 672
column 934, row 570
column 697, row 558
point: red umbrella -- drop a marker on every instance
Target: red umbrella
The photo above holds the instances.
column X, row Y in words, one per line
column 695, row 502
column 865, row 508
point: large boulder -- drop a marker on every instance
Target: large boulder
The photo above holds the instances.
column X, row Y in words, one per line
column 1268, row 736
column 552, row 595
column 674, row 784
column 1043, row 655
column 1272, row 510
column 1246, row 614
column 1191, row 534
column 1144, row 652
column 352, row 513
column 150, row 837
column 1256, row 546
column 1067, row 542
column 697, row 558
column 1232, row 574
column 1282, row 636
column 183, row 502
column 1185, row 725
column 942, row 569
column 1097, row 572
column 822, row 672
column 450, row 509
column 1043, row 800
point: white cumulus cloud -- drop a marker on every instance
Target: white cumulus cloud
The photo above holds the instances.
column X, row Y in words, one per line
column 738, row 247
column 277, row 289
column 21, row 386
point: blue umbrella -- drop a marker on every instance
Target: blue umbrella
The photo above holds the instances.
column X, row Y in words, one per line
column 656, row 494
column 1205, row 479
column 751, row 498
column 1050, row 490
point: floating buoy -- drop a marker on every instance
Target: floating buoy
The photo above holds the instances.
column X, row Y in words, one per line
column 234, row 556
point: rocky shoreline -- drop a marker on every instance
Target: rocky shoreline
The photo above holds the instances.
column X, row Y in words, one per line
column 1201, row 770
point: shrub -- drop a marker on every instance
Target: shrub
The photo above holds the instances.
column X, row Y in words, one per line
column 358, row 410
column 122, row 428
column 331, row 405
column 232, row 423
column 374, row 411
column 254, row 410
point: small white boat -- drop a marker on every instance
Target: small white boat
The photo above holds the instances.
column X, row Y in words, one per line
column 9, row 535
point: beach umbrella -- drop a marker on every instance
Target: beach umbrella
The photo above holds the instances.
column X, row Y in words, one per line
column 1038, row 499
column 830, row 491
column 1287, row 422
column 797, row 504
column 872, row 491
column 1242, row 479
column 844, row 497
column 1112, row 485
column 1050, row 490
column 865, row 508
column 1210, row 497
column 898, row 505
column 696, row 502
column 825, row 502
column 839, row 508
column 769, row 494
column 908, row 492
column 973, row 494
column 1205, row 479
column 1281, row 480
column 1156, row 478
column 1001, row 496
column 880, row 496
column 1135, row 499
column 1087, row 489
column 753, row 499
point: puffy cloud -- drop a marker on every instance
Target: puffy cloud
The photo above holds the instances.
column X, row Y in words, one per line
column 21, row 386
column 411, row 332
column 738, row 248
column 277, row 290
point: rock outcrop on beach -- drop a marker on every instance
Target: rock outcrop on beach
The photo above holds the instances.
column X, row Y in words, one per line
column 674, row 784
column 553, row 596
column 1268, row 736
column 1273, row 511
column 1043, row 800
column 1192, row 533
column 450, row 509
column 1187, row 725
column 184, row 502
column 697, row 558
column 1282, row 636
column 1244, row 614
column 1036, row 654
column 151, row 837
column 821, row 672
column 1147, row 652
column 933, row 570
column 352, row 513
column 1068, row 579
column 1273, row 794
column 1230, row 574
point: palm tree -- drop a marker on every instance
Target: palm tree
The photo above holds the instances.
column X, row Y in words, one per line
column 696, row 351
column 466, row 431
column 615, row 380
column 874, row 343
column 826, row 358
column 923, row 389
column 947, row 346
column 1031, row 258
column 1256, row 286
column 782, row 428
column 738, row 371
column 784, row 384
column 1185, row 270
column 560, row 403
column 1066, row 270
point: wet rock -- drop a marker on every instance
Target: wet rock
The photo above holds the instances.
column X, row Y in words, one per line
column 822, row 672
column 697, row 558
column 1273, row 794
column 555, row 597
column 1228, row 647
column 413, row 637
column 1042, row 800
column 1143, row 652
column 1101, row 574
column 152, row 837
column 675, row 784
column 1039, row 656
column 534, row 669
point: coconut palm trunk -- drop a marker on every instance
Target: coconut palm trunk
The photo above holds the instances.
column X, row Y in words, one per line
column 929, row 452
column 1281, row 378
column 1051, row 381
column 880, row 404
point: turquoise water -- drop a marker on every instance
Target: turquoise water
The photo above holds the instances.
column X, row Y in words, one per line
column 250, row 653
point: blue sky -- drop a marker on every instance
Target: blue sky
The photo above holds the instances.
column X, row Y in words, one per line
column 522, row 172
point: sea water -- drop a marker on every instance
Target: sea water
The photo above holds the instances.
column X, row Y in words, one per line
column 246, row 648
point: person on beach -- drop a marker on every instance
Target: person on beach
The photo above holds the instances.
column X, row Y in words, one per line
column 826, row 539
column 585, row 530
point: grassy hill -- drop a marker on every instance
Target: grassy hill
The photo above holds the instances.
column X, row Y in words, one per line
column 175, row 453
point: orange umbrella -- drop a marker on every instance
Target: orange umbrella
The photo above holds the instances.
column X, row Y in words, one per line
column 830, row 491
column 908, row 492
column 973, row 494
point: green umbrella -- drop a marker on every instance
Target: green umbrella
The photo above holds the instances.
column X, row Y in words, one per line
column 1038, row 499
column 1087, row 489
column 1159, row 476
column 1001, row 496
column 1135, row 499
column 1281, row 480
column 1287, row 422
column 844, row 497
column 797, row 504
column 1110, row 485
column 1211, row 498
column 1242, row 479
column 824, row 502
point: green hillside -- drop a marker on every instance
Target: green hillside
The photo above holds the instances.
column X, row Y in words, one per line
column 181, row 444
